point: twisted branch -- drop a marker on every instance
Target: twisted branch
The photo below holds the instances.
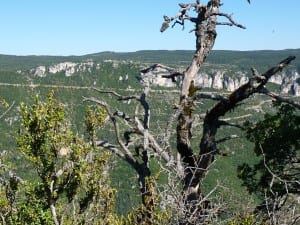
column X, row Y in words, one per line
column 279, row 98
column 120, row 97
column 127, row 155
column 231, row 21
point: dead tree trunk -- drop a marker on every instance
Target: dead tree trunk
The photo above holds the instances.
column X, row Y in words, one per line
column 205, row 32
column 205, row 37
column 196, row 165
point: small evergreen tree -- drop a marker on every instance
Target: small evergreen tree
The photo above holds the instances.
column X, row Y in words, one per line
column 72, row 185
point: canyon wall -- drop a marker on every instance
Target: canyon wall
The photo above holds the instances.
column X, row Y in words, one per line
column 288, row 80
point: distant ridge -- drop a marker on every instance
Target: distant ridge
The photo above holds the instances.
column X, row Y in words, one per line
column 216, row 57
column 245, row 58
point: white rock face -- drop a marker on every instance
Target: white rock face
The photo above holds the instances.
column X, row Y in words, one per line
column 290, row 83
column 296, row 89
column 68, row 68
column 204, row 80
column 40, row 71
column 218, row 79
column 155, row 77
column 229, row 84
column 217, row 82
column 289, row 80
column 277, row 79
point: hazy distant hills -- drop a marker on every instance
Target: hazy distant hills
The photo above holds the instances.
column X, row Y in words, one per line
column 247, row 59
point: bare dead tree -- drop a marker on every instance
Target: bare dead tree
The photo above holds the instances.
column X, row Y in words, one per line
column 139, row 161
column 196, row 165
column 190, row 165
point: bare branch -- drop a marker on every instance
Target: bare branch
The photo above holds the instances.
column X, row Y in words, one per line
column 155, row 146
column 279, row 98
column 173, row 76
column 212, row 96
column 109, row 146
column 6, row 111
column 158, row 65
column 233, row 136
column 284, row 63
column 181, row 16
column 168, row 129
column 225, row 123
column 231, row 21
column 253, row 86
column 127, row 153
column 120, row 97
column 255, row 73
column 173, row 73
column 211, row 121
column 275, row 175
column 122, row 115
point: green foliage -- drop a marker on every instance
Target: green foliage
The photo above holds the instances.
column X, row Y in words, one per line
column 5, row 202
column 43, row 133
column 94, row 119
column 30, row 207
column 245, row 219
column 244, row 59
column 3, row 103
column 72, row 176
column 277, row 143
column 73, row 183
column 138, row 214
column 242, row 220
column 149, row 212
column 107, row 76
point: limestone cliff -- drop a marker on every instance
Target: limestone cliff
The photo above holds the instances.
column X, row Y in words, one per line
column 68, row 68
column 288, row 80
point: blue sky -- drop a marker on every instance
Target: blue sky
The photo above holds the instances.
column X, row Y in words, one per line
column 76, row 27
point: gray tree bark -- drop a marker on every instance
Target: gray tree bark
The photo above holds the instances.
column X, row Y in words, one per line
column 194, row 164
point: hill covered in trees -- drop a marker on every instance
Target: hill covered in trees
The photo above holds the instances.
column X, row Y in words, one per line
column 239, row 58
column 223, row 70
column 22, row 77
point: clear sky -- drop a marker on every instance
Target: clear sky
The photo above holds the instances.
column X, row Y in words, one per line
column 77, row 27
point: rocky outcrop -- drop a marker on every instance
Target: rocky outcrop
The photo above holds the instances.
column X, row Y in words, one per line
column 220, row 80
column 71, row 68
column 68, row 68
column 40, row 71
column 288, row 80
column 154, row 76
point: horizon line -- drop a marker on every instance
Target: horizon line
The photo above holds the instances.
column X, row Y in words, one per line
column 135, row 51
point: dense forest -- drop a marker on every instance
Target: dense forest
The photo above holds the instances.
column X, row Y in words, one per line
column 92, row 144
